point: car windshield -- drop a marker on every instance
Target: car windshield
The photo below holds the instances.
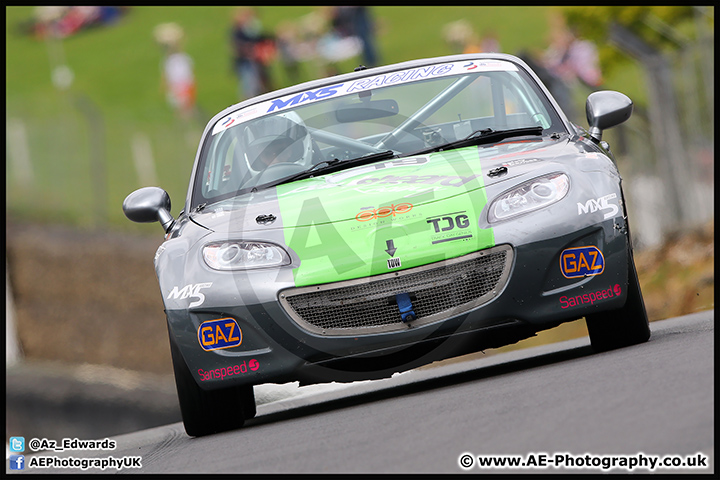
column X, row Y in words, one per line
column 401, row 112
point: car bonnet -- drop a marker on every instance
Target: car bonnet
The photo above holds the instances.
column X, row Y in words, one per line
column 381, row 217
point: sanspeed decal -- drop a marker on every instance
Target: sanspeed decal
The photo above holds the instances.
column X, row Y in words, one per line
column 603, row 203
column 336, row 239
column 231, row 371
column 581, row 262
column 591, row 298
column 219, row 334
column 373, row 82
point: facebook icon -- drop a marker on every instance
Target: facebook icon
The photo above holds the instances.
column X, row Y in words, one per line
column 17, row 462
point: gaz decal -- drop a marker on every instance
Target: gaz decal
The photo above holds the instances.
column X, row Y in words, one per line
column 581, row 262
column 219, row 334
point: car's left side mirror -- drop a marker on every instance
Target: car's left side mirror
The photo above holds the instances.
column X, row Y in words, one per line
column 606, row 109
column 149, row 204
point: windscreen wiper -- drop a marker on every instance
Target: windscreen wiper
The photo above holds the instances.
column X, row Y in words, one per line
column 479, row 137
column 330, row 166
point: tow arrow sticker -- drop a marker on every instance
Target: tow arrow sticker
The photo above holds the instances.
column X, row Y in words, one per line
column 393, row 262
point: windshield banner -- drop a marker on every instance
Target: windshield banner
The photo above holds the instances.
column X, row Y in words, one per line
column 359, row 85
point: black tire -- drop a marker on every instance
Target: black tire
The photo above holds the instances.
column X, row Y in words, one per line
column 207, row 412
column 625, row 326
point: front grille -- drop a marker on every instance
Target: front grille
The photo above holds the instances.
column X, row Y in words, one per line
column 368, row 305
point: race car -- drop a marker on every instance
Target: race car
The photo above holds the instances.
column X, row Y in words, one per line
column 352, row 227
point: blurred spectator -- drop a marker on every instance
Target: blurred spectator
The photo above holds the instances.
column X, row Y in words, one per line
column 566, row 64
column 63, row 21
column 287, row 43
column 326, row 36
column 570, row 58
column 490, row 43
column 297, row 42
column 178, row 78
column 310, row 28
column 365, row 29
column 461, row 37
column 252, row 53
column 558, row 88
column 356, row 22
column 339, row 41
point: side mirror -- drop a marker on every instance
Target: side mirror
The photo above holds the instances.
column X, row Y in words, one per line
column 149, row 204
column 606, row 109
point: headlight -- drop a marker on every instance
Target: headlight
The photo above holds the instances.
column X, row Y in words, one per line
column 529, row 196
column 237, row 255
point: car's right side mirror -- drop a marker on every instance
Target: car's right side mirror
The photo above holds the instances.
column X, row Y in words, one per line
column 606, row 109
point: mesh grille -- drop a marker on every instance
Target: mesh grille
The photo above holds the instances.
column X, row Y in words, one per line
column 368, row 305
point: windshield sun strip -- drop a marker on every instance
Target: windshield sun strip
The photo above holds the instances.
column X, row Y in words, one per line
column 358, row 85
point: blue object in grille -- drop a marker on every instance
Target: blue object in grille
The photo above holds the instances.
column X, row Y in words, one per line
column 405, row 305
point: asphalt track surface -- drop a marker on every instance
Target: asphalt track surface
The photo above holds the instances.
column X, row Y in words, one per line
column 654, row 399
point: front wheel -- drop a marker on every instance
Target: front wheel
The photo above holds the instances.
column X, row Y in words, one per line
column 207, row 412
column 625, row 326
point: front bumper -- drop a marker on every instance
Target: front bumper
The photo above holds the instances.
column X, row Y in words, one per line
column 278, row 347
